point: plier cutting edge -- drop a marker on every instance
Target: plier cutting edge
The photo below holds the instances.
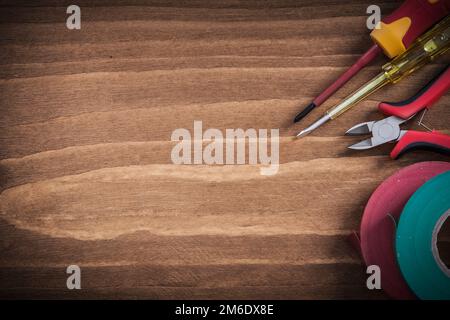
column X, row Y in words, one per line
column 388, row 129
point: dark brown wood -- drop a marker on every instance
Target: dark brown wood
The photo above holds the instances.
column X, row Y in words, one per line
column 85, row 171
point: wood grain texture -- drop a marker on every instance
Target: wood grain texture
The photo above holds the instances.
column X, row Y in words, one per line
column 85, row 171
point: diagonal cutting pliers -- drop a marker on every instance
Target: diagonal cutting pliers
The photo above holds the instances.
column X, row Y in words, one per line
column 388, row 129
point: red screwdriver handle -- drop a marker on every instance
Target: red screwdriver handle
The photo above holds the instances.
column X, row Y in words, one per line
column 423, row 14
column 433, row 141
column 399, row 30
column 425, row 98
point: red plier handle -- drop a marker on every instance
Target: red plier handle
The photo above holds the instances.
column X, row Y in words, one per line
column 433, row 141
column 424, row 99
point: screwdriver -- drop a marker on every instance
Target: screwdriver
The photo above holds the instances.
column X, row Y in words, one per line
column 393, row 36
column 432, row 44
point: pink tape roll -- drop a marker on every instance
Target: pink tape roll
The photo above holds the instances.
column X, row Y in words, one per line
column 377, row 233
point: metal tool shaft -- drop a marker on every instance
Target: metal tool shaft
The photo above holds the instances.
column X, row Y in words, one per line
column 363, row 92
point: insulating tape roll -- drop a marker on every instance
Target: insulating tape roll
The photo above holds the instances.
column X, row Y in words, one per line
column 378, row 225
column 417, row 230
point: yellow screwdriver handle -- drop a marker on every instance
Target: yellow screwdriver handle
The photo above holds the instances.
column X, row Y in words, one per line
column 431, row 45
column 396, row 32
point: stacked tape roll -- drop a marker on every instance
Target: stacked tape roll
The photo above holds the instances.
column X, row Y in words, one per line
column 416, row 239
column 378, row 226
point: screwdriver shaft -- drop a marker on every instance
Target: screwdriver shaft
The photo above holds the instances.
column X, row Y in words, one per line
column 365, row 59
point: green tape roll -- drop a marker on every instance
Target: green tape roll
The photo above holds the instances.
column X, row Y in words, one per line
column 416, row 238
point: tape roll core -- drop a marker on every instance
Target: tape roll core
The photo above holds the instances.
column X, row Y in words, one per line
column 435, row 250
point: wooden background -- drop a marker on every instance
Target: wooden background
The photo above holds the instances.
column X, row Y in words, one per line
column 86, row 177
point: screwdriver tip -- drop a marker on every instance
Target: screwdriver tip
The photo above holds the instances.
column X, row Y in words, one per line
column 303, row 133
column 314, row 126
column 304, row 112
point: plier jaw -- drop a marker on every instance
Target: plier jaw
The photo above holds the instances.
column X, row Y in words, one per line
column 388, row 129
column 383, row 131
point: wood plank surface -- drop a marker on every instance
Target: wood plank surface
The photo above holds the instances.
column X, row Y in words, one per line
column 86, row 178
